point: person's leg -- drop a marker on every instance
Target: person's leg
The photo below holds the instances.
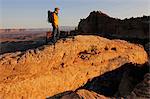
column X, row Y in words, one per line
column 54, row 34
column 58, row 33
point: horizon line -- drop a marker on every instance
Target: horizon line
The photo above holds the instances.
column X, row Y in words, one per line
column 36, row 27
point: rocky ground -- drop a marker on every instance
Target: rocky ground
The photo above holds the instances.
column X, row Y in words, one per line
column 69, row 68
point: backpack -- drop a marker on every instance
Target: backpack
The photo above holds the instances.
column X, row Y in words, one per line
column 50, row 16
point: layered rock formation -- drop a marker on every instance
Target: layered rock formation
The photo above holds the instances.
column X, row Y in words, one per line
column 101, row 24
column 68, row 65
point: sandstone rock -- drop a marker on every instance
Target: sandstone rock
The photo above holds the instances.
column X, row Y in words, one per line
column 79, row 94
column 67, row 66
column 85, row 94
column 65, row 95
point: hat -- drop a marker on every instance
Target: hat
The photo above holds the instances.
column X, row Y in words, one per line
column 57, row 9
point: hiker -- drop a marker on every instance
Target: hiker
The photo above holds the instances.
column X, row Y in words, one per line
column 54, row 21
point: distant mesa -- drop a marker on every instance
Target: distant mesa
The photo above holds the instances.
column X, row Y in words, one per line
column 62, row 28
column 11, row 30
column 100, row 23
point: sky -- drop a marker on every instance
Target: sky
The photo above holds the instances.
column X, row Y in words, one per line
column 33, row 13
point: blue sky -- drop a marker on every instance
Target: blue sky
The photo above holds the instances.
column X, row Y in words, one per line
column 33, row 13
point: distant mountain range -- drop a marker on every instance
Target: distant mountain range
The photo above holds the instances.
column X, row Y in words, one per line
column 62, row 28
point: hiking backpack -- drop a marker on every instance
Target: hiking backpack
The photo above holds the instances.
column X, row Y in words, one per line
column 50, row 16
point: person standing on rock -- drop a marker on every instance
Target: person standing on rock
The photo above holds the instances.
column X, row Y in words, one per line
column 53, row 18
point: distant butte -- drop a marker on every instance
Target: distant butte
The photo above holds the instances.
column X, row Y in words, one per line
column 99, row 23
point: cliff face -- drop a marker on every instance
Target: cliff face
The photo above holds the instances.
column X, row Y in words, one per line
column 50, row 70
column 100, row 23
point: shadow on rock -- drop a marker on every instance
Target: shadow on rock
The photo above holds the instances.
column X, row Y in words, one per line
column 65, row 95
column 119, row 82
